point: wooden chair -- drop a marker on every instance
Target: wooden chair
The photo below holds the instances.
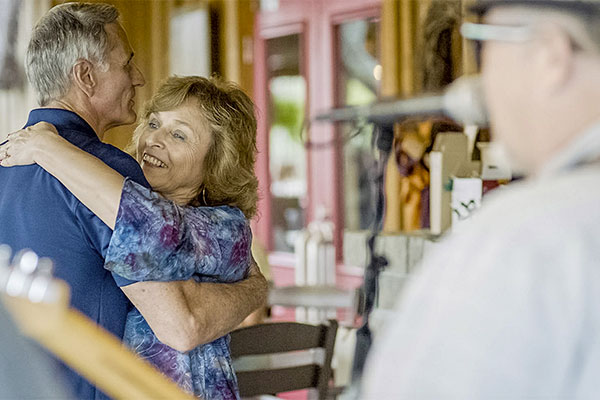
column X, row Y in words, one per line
column 283, row 356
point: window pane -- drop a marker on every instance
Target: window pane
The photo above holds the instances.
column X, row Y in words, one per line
column 287, row 158
column 359, row 75
column 190, row 57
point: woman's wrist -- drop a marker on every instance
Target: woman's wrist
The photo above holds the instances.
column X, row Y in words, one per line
column 45, row 146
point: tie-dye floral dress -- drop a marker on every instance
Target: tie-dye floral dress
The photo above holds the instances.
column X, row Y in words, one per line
column 157, row 240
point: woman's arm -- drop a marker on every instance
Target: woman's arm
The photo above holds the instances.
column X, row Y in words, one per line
column 155, row 240
column 214, row 309
column 94, row 183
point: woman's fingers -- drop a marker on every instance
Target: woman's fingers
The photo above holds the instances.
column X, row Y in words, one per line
column 20, row 146
column 15, row 150
column 4, row 154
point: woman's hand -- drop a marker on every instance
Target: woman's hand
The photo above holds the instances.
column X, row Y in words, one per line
column 21, row 146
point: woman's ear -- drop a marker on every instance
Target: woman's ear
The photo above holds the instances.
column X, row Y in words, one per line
column 84, row 77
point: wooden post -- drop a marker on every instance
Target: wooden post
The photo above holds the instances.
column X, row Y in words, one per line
column 398, row 79
column 236, row 47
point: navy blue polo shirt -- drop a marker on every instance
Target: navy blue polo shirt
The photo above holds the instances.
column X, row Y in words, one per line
column 39, row 213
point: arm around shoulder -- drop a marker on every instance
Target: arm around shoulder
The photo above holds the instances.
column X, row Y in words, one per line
column 222, row 307
column 186, row 314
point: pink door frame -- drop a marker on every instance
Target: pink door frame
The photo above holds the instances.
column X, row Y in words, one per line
column 315, row 21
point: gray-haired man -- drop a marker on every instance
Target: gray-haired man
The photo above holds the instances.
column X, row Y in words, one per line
column 80, row 63
column 508, row 309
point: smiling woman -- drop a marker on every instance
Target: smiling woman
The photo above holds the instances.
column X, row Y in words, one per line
column 212, row 117
column 172, row 145
column 196, row 144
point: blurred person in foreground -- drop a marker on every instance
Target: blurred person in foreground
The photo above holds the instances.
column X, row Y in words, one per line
column 26, row 372
column 508, row 309
column 81, row 65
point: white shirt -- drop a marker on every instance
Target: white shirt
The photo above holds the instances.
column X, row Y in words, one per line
column 509, row 308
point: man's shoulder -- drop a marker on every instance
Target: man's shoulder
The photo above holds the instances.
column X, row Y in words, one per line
column 115, row 157
column 123, row 163
column 112, row 156
column 77, row 131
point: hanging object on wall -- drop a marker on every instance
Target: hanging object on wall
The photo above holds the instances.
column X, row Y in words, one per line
column 441, row 45
column 11, row 74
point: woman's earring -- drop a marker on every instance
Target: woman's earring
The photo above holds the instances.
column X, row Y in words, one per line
column 204, row 195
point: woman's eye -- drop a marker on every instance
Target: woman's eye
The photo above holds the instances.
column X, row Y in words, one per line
column 153, row 124
column 178, row 135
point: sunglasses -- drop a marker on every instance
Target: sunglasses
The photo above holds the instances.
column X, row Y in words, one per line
column 503, row 33
column 479, row 33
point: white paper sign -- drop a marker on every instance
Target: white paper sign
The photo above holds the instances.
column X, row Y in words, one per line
column 466, row 198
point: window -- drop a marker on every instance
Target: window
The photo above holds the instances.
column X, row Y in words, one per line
column 287, row 161
column 358, row 78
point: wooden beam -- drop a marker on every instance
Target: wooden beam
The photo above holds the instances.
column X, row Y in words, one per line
column 236, row 47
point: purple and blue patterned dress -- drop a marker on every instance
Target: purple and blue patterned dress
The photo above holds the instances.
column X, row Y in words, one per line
column 157, row 240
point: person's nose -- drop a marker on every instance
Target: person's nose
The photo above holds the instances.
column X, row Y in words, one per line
column 155, row 138
column 137, row 78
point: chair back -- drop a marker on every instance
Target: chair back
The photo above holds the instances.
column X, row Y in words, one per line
column 278, row 357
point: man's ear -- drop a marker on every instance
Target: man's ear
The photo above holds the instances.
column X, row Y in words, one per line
column 555, row 58
column 84, row 77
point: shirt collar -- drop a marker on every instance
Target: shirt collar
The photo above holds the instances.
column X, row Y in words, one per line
column 584, row 149
column 62, row 119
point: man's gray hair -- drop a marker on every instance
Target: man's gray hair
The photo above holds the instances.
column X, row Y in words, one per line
column 67, row 33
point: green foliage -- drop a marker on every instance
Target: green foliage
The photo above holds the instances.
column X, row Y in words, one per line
column 288, row 114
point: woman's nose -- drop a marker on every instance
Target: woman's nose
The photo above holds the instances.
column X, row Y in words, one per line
column 155, row 138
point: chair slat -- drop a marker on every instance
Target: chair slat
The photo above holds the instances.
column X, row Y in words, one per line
column 253, row 362
column 277, row 381
column 276, row 338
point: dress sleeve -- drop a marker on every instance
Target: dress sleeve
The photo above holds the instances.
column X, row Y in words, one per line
column 156, row 239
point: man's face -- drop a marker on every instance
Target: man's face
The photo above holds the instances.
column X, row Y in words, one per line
column 507, row 84
column 114, row 99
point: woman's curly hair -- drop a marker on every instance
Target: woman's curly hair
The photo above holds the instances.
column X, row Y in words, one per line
column 228, row 169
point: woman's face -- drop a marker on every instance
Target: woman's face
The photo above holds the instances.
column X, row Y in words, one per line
column 171, row 151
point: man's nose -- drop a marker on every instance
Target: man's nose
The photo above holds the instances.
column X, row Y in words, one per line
column 137, row 78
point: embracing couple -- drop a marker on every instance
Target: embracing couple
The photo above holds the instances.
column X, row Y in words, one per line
column 156, row 248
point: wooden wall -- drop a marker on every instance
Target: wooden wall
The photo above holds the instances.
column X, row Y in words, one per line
column 237, row 45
